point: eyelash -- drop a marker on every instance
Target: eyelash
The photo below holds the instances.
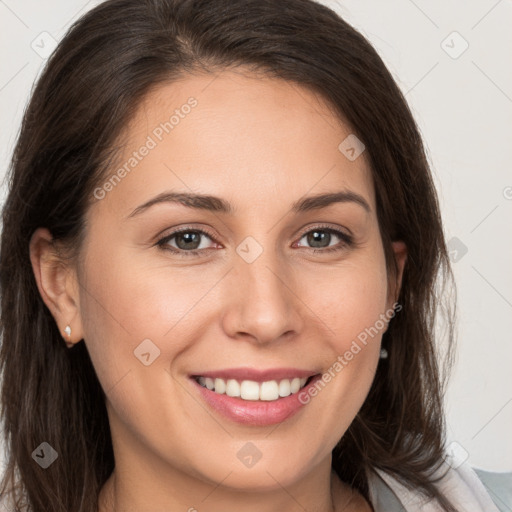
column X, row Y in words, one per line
column 346, row 240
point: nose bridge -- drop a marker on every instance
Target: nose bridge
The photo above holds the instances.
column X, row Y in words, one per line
column 263, row 305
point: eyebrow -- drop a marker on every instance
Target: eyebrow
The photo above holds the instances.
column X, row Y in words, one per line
column 216, row 204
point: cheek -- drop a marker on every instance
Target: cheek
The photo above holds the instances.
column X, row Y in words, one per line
column 127, row 316
column 130, row 301
column 121, row 306
column 348, row 299
column 131, row 296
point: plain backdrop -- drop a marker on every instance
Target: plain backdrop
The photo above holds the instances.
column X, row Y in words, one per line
column 452, row 59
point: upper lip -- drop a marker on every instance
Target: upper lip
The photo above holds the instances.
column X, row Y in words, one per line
column 256, row 375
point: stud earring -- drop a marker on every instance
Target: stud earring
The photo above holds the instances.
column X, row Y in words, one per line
column 67, row 330
column 383, row 353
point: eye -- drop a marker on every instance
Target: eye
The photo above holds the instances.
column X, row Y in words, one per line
column 320, row 239
column 186, row 240
column 192, row 242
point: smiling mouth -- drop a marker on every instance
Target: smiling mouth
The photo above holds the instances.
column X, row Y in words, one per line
column 251, row 390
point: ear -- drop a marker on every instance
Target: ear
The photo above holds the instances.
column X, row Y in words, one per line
column 57, row 284
column 400, row 254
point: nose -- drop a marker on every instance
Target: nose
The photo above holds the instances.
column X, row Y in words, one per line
column 262, row 305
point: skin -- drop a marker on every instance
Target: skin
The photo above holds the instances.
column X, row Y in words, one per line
column 261, row 144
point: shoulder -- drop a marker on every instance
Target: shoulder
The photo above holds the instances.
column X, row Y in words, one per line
column 459, row 484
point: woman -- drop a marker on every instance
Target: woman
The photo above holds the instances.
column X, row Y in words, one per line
column 220, row 261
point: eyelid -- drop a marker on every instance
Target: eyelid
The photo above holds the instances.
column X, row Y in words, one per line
column 327, row 227
column 347, row 239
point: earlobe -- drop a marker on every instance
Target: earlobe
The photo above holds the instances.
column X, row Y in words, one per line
column 56, row 284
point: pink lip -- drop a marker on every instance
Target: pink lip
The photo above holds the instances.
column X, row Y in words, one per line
column 241, row 374
column 257, row 413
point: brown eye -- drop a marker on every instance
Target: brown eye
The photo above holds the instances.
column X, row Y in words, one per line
column 191, row 241
column 321, row 238
column 188, row 240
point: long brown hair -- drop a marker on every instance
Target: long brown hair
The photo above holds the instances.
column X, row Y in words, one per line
column 91, row 86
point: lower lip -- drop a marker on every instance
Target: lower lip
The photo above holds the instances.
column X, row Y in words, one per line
column 254, row 412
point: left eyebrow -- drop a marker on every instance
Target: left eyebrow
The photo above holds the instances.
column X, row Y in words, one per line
column 213, row 203
column 324, row 200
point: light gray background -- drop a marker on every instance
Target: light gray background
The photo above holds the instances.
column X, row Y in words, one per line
column 464, row 109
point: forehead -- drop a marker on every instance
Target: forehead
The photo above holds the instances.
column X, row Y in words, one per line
column 250, row 138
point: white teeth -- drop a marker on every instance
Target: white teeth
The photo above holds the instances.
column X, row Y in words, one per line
column 220, row 386
column 269, row 390
column 284, row 388
column 295, row 385
column 250, row 390
column 232, row 388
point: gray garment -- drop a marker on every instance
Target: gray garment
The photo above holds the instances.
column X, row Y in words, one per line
column 499, row 487
column 460, row 485
column 382, row 497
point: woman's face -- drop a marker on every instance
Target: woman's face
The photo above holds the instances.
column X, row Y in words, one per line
column 255, row 288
